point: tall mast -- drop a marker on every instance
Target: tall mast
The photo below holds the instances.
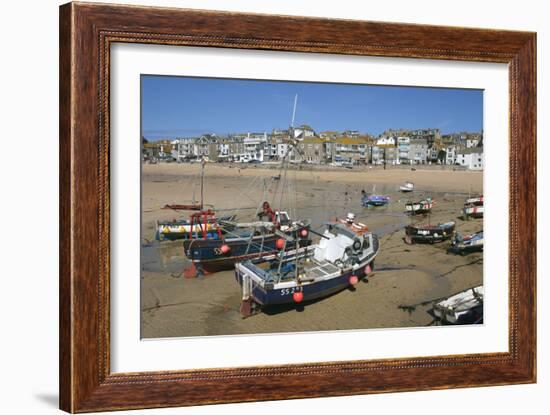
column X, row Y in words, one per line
column 202, row 184
column 294, row 111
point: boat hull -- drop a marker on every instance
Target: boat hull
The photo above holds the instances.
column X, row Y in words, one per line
column 268, row 297
column 475, row 212
column 181, row 229
column 208, row 257
column 268, row 293
column 473, row 243
column 375, row 200
column 432, row 235
column 418, row 208
column 465, row 307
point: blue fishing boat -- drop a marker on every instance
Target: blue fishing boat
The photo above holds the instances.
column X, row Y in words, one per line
column 464, row 245
column 216, row 250
column 344, row 256
column 375, row 200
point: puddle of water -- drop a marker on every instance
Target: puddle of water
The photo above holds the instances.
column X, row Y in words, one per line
column 163, row 257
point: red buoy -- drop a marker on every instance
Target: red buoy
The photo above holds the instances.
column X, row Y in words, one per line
column 298, row 296
column 304, row 233
column 225, row 249
column 280, row 243
column 353, row 279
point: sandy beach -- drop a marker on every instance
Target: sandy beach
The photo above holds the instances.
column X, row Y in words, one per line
column 408, row 279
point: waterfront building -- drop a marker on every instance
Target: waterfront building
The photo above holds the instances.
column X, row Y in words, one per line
column 403, row 149
column 418, row 151
column 356, row 149
column 471, row 158
column 303, row 131
column 312, row 150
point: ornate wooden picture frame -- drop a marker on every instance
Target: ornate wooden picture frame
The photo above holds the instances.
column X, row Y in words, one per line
column 87, row 32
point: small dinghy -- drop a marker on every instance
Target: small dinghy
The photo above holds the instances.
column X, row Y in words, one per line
column 464, row 245
column 344, row 256
column 465, row 307
column 429, row 233
column 407, row 187
column 422, row 207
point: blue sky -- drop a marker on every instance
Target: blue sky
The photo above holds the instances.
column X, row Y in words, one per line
column 183, row 106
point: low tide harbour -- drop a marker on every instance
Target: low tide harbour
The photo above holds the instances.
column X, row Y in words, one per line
column 408, row 279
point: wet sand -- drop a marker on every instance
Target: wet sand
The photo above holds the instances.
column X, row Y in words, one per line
column 407, row 279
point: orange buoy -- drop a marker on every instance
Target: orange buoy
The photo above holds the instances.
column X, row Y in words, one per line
column 353, row 279
column 280, row 243
column 298, row 296
column 225, row 249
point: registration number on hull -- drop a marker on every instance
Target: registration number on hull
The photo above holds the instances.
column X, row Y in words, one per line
column 289, row 291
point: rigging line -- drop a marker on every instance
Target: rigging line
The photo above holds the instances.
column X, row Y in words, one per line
column 244, row 192
column 251, row 243
column 285, row 174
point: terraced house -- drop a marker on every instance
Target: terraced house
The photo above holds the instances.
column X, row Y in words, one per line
column 311, row 150
column 355, row 149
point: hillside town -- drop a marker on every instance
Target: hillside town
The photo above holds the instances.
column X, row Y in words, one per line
column 391, row 148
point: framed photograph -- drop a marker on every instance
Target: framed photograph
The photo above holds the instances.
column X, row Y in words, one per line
column 258, row 207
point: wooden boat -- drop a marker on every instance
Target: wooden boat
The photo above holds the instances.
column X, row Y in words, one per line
column 407, row 187
column 182, row 228
column 375, row 200
column 422, row 207
column 172, row 230
column 344, row 256
column 216, row 252
column 429, row 233
column 465, row 307
column 464, row 245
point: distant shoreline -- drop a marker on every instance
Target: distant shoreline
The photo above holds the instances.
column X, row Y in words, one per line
column 328, row 167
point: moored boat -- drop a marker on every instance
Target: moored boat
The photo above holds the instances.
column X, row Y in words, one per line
column 473, row 211
column 473, row 207
column 344, row 256
column 217, row 252
column 421, row 207
column 464, row 245
column 429, row 233
column 465, row 307
column 172, row 230
column 407, row 187
column 375, row 200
